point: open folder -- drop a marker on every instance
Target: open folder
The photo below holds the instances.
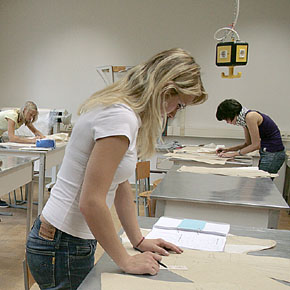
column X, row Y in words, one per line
column 191, row 234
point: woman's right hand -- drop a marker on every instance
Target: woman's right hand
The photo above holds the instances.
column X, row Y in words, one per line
column 145, row 263
column 220, row 150
column 33, row 140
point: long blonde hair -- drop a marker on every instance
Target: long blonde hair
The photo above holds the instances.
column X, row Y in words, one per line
column 27, row 107
column 147, row 86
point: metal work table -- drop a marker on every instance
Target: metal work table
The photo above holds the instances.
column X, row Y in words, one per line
column 16, row 171
column 47, row 159
column 105, row 264
column 235, row 200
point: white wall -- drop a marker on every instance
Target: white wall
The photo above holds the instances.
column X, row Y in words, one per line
column 265, row 25
column 49, row 50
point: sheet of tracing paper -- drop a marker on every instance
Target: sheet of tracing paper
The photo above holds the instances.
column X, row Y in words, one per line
column 251, row 172
column 228, row 270
column 206, row 158
column 206, row 154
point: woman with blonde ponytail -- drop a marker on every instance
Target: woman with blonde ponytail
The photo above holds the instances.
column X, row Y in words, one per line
column 116, row 125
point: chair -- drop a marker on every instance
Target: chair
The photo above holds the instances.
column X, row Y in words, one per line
column 142, row 183
column 28, row 279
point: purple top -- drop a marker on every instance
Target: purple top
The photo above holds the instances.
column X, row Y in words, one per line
column 271, row 140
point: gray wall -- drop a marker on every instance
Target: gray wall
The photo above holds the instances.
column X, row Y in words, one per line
column 49, row 50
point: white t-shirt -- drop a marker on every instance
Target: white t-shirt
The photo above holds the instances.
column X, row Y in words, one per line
column 62, row 207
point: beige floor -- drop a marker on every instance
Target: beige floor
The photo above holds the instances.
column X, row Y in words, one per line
column 12, row 243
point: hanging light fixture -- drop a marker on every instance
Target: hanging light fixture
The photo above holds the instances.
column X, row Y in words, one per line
column 234, row 52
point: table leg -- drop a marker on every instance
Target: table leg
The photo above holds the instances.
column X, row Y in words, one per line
column 160, row 208
column 273, row 219
column 41, row 185
column 286, row 191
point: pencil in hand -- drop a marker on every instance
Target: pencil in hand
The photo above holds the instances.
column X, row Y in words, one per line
column 161, row 264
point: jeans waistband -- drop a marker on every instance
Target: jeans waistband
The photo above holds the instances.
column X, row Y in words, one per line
column 49, row 232
column 264, row 149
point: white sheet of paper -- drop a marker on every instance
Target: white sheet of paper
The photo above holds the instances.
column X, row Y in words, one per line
column 190, row 240
column 166, row 222
column 215, row 227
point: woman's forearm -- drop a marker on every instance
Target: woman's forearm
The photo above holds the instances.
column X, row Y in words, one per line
column 236, row 148
column 18, row 139
column 34, row 130
column 249, row 148
column 99, row 220
column 126, row 211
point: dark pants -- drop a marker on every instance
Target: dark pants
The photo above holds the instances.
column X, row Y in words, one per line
column 58, row 260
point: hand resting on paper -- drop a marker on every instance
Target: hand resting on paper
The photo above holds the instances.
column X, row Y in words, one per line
column 159, row 246
column 225, row 152
column 228, row 154
column 145, row 263
column 220, row 150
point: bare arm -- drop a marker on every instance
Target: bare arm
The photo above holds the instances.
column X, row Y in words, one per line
column 13, row 138
column 229, row 149
column 253, row 119
column 36, row 132
column 252, row 137
column 126, row 211
column 238, row 147
column 103, row 162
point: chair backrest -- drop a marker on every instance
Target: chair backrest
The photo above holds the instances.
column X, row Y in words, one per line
column 142, row 170
column 142, row 179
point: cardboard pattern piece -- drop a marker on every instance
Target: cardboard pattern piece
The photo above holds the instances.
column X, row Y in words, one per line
column 213, row 270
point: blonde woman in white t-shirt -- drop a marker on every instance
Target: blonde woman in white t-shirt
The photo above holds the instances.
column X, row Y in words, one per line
column 10, row 120
column 116, row 125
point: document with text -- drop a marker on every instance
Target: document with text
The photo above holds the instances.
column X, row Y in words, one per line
column 191, row 234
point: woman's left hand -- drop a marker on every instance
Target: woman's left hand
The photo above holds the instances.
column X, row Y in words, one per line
column 228, row 154
column 39, row 136
column 159, row 246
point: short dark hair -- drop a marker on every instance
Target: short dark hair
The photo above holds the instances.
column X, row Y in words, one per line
column 228, row 109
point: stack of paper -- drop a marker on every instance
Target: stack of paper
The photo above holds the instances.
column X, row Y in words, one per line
column 191, row 234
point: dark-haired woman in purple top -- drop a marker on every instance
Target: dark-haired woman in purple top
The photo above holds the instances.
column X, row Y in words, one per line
column 261, row 133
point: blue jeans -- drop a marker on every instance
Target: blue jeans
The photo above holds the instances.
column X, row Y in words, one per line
column 271, row 161
column 58, row 260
